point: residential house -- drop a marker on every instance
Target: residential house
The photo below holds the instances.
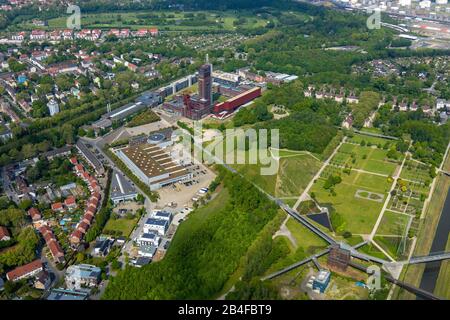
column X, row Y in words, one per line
column 58, row 206
column 4, row 234
column 82, row 276
column 35, row 214
column 26, row 271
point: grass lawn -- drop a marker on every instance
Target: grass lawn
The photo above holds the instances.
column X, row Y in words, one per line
column 373, row 251
column 148, row 116
column 357, row 138
column 295, row 173
column 125, row 226
column 172, row 21
column 370, row 159
column 372, row 130
column 305, row 238
column 393, row 224
column 394, row 246
column 359, row 214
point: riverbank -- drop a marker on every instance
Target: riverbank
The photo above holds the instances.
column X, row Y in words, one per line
column 442, row 285
column 412, row 274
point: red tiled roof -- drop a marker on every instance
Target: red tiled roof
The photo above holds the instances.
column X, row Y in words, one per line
column 88, row 218
column 55, row 249
column 96, row 195
column 23, row 270
column 3, row 233
column 76, row 236
column 57, row 206
column 70, row 201
column 83, row 226
column 90, row 211
column 34, row 213
column 74, row 160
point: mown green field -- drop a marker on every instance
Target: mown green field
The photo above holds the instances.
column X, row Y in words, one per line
column 294, row 173
column 358, row 138
column 164, row 20
column 125, row 226
column 370, row 159
column 359, row 214
column 393, row 224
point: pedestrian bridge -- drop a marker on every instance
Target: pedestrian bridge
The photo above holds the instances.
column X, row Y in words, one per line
column 436, row 256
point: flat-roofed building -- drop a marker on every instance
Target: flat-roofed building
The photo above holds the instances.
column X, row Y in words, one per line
column 157, row 225
column 65, row 294
column 149, row 239
column 152, row 165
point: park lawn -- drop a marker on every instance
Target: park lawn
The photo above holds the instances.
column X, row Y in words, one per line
column 295, row 173
column 370, row 249
column 392, row 245
column 359, row 214
column 375, row 159
column 148, row 116
column 216, row 21
column 125, row 226
column 393, row 224
column 305, row 238
column 372, row 130
column 288, row 153
column 357, row 138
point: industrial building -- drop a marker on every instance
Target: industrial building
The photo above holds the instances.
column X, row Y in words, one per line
column 232, row 104
column 195, row 106
column 148, row 99
column 121, row 189
column 152, row 165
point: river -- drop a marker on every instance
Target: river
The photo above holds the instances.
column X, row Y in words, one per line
column 431, row 273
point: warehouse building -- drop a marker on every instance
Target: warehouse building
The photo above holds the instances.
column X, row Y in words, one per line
column 152, row 165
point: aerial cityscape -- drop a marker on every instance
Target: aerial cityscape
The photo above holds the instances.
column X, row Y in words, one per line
column 224, row 150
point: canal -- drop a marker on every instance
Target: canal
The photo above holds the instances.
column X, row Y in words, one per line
column 431, row 273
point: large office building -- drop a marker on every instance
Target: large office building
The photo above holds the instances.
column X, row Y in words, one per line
column 152, row 165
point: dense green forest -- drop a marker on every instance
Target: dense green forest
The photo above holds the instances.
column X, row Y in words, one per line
column 310, row 125
column 206, row 249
